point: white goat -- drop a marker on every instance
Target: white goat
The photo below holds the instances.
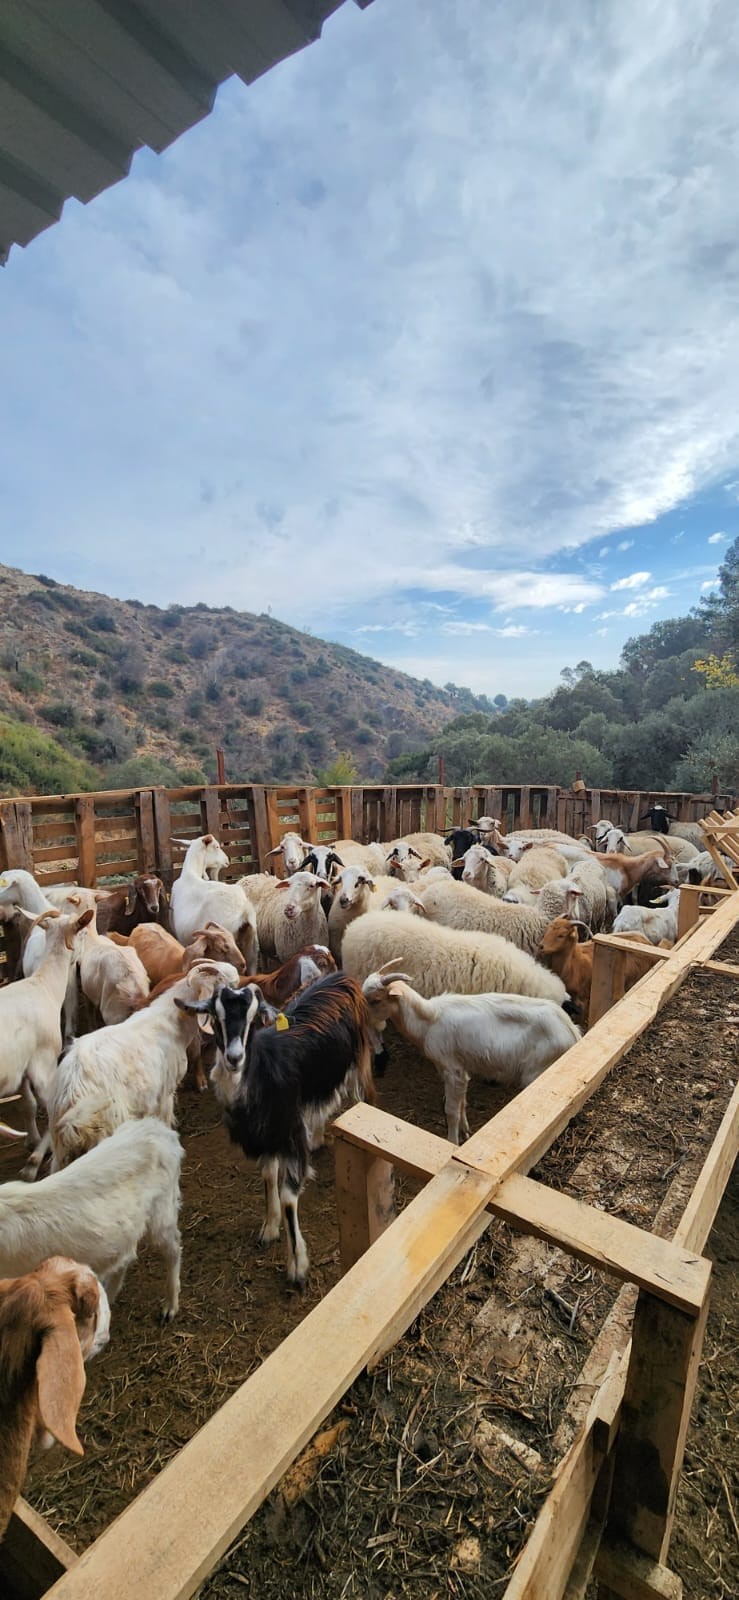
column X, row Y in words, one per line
column 510, row 1038
column 99, row 1209
column 656, row 922
column 197, row 899
column 30, row 1027
column 112, row 976
column 129, row 1070
column 289, row 914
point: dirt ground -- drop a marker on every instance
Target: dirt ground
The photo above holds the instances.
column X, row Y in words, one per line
column 431, row 1483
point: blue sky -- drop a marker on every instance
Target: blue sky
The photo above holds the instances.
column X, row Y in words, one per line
column 427, row 340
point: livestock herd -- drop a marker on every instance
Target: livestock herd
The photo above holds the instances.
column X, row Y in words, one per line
column 477, row 948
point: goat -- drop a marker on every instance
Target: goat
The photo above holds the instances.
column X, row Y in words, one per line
column 279, row 1085
column 100, row 1208
column 113, row 979
column 658, row 921
column 30, row 1028
column 278, row 987
column 573, row 962
column 133, row 905
column 162, row 955
column 130, row 1070
column 510, row 1038
column 198, row 899
column 52, row 1321
column 623, row 873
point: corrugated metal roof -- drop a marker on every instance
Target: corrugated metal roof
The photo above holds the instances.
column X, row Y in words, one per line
column 86, row 83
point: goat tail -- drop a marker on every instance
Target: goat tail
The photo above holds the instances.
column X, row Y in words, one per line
column 119, row 938
column 80, row 1128
column 363, row 1071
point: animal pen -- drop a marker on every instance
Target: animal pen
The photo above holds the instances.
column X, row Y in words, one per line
column 608, row 1514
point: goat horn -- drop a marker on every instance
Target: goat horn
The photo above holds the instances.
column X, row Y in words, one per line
column 393, row 962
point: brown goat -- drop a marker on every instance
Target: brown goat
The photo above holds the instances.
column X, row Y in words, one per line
column 573, row 963
column 142, row 901
column 304, row 967
column 51, row 1321
column 164, row 957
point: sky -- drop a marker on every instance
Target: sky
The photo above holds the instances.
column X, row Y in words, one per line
column 427, row 341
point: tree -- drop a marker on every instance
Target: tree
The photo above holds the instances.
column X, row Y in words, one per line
column 341, row 771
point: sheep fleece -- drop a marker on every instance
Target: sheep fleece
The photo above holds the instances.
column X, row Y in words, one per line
column 440, row 960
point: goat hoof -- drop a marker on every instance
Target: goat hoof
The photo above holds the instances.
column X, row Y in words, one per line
column 167, row 1315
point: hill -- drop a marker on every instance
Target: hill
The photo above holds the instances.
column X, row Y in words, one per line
column 667, row 718
column 102, row 692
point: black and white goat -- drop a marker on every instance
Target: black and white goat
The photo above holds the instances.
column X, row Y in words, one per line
column 461, row 840
column 280, row 1076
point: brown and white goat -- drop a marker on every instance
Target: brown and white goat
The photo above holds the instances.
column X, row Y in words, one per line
column 164, row 957
column 573, row 963
column 625, row 873
column 141, row 901
column 52, row 1321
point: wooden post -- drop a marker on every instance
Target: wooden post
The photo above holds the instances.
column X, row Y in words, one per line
column 688, row 909
column 357, row 830
column 221, row 766
column 389, row 828
column 261, row 841
column 365, row 1200
column 607, row 984
column 84, row 822
column 162, row 824
column 145, row 829
column 273, row 823
column 344, row 813
column 17, row 833
column 525, row 806
column 210, row 811
column 307, row 812
column 665, row 1354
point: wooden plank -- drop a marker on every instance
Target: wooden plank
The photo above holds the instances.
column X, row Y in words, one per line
column 606, row 981
column 84, row 817
column 665, row 1354
column 358, row 830
column 628, row 1253
column 146, row 831
column 308, row 819
column 633, row 1576
column 118, row 867
column 163, row 833
column 32, row 1555
column 15, row 834
column 529, row 1123
column 525, row 806
column 726, row 969
column 344, row 813
column 170, row 1538
column 261, row 842
column 365, row 1200
column 617, row 941
column 275, row 829
column 54, row 832
column 55, row 852
column 700, row 1212
column 389, row 815
column 210, row 811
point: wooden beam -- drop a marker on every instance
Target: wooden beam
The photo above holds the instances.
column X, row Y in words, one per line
column 700, row 1212
column 365, row 1199
column 162, row 823
column 614, row 941
column 725, row 969
column 633, row 1576
column 627, row 1252
column 145, row 827
column 32, row 1555
column 84, row 819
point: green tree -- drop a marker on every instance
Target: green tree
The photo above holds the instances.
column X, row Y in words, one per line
column 32, row 762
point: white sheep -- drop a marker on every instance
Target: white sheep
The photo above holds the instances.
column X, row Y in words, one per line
column 30, row 1026
column 354, row 854
column 609, row 839
column 444, row 959
column 655, row 922
column 196, row 899
column 292, row 848
column 583, row 893
column 112, row 976
column 99, row 1209
column 456, row 905
column 489, row 874
column 514, row 844
column 129, row 1070
column 403, row 898
column 511, row 1038
column 355, row 893
column 537, row 866
column 289, row 914
column 423, row 846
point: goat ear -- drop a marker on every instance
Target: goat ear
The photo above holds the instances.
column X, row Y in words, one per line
column 60, row 1375
column 193, row 1006
column 85, row 920
column 208, row 838
column 130, row 898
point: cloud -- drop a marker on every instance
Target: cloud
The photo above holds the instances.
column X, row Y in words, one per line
column 717, row 538
column 709, row 584
column 626, row 544
column 514, row 632
column 646, row 602
column 466, row 627
column 635, row 581
column 426, row 392
column 603, row 552
column 676, row 537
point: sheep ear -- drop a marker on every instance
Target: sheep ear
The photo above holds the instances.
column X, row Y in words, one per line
column 372, row 884
column 283, row 883
column 60, row 1375
column 276, row 851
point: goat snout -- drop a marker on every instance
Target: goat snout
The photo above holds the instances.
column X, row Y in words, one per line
column 234, row 1056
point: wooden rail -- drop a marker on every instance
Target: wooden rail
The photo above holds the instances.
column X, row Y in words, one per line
column 611, row 1508
column 91, row 838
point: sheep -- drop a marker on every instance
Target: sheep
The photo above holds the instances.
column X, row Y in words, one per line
column 138, row 903
column 30, row 1027
column 355, row 891
column 100, row 1208
column 278, row 1086
column 663, row 823
column 537, row 866
column 444, row 959
column 289, row 913
column 353, row 854
column 52, row 1320
column 584, row 893
column 658, row 922
column 292, row 848
column 510, row 1038
column 162, row 955
column 573, row 963
column 514, row 844
column 456, row 905
column 130, row 1070
column 303, row 968
column 323, row 860
column 424, row 846
column 406, row 868
column 611, row 839
column 462, row 840
column 196, row 899
column 113, row 978
column 403, row 898
column 482, row 870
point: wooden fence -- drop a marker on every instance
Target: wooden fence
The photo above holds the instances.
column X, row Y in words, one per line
column 610, row 1511
column 93, row 838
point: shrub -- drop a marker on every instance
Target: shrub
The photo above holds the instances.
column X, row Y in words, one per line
column 32, row 762
column 195, row 706
column 60, row 713
column 28, row 682
column 177, row 652
column 298, row 675
column 159, row 689
column 214, row 692
column 102, row 622
column 364, row 735
column 85, row 658
column 252, row 704
column 201, row 643
column 49, row 583
column 341, row 771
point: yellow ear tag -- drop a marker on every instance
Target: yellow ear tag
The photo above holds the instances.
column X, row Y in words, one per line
column 281, row 1022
